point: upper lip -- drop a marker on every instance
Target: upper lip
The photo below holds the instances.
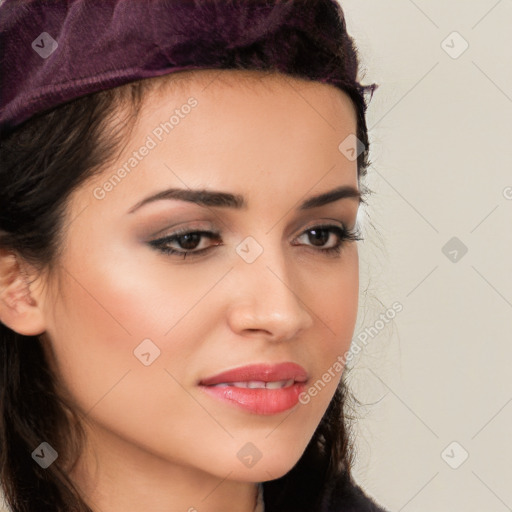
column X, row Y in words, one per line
column 259, row 372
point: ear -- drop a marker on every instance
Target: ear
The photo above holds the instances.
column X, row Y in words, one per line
column 18, row 309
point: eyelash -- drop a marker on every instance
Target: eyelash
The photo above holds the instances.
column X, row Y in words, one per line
column 344, row 235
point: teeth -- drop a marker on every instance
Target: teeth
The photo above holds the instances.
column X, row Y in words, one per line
column 254, row 384
column 258, row 384
column 280, row 384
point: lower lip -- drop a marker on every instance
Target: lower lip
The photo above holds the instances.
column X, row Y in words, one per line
column 259, row 401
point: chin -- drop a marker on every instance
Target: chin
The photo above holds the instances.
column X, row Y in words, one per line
column 267, row 468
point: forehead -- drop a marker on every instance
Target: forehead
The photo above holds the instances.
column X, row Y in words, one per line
column 246, row 131
column 256, row 83
column 248, row 109
column 233, row 78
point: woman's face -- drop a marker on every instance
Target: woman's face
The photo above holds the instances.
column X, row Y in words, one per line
column 138, row 333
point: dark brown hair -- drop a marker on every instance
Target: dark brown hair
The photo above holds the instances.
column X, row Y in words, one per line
column 43, row 161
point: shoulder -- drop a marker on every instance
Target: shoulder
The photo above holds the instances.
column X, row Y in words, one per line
column 349, row 497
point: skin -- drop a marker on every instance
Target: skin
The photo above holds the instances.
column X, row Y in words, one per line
column 155, row 440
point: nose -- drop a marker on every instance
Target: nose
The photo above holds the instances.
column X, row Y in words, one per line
column 266, row 299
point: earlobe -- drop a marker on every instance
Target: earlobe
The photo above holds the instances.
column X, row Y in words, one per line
column 18, row 309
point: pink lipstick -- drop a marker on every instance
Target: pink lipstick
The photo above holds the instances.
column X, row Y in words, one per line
column 259, row 388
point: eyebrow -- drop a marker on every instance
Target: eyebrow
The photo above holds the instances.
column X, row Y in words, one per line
column 213, row 198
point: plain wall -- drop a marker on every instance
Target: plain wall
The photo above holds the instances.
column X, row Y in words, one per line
column 441, row 146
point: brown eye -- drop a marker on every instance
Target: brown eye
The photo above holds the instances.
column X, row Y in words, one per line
column 185, row 242
column 319, row 236
column 189, row 241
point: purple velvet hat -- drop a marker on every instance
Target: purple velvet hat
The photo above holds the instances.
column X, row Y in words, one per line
column 54, row 51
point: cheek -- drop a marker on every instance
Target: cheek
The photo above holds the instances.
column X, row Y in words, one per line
column 336, row 310
column 98, row 325
column 335, row 303
column 105, row 312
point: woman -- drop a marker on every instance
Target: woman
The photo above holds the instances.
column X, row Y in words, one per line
column 179, row 269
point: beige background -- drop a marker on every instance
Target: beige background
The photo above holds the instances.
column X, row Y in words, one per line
column 442, row 161
column 441, row 146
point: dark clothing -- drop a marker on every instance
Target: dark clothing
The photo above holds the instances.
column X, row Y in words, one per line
column 343, row 496
column 350, row 498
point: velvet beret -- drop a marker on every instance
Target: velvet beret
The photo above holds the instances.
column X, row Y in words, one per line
column 54, row 51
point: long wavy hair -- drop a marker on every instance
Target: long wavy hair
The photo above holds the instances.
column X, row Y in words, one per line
column 52, row 154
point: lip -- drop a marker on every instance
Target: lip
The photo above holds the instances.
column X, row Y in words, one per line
column 258, row 400
column 259, row 372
